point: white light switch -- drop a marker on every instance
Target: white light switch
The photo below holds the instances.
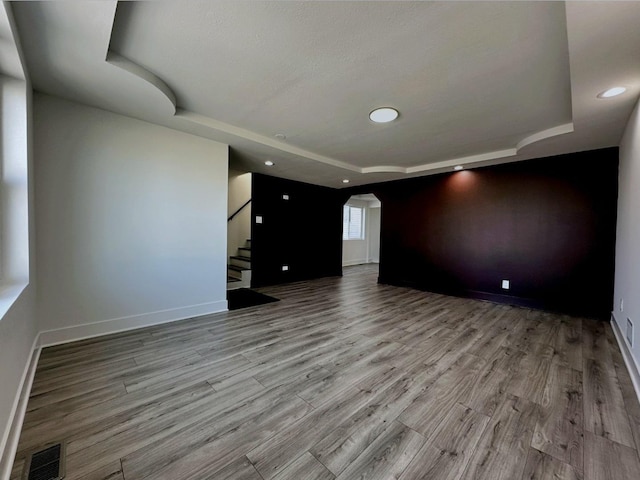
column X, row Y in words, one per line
column 258, row 219
column 285, row 268
column 505, row 284
column 285, row 197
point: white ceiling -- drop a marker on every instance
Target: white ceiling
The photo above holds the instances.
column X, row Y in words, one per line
column 476, row 83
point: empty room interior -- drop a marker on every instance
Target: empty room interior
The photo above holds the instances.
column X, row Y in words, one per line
column 300, row 240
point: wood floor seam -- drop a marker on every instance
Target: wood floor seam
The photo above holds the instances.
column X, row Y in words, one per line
column 310, row 406
column 258, row 476
column 344, row 379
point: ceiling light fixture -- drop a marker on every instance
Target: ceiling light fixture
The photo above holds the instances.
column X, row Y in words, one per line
column 269, row 163
column 346, row 180
column 458, row 167
column 383, row 115
column 612, row 92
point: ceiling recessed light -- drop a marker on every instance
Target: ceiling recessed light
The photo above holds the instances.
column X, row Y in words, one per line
column 612, row 92
column 383, row 115
column 269, row 163
column 280, row 136
column 458, row 167
column 346, row 180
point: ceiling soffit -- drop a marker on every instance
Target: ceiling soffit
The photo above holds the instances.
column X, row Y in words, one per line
column 508, row 91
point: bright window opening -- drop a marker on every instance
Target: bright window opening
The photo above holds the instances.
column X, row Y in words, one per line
column 353, row 223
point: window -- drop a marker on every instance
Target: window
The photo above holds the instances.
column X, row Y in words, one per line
column 14, row 191
column 353, row 223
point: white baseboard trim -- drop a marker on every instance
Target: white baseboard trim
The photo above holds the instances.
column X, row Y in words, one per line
column 355, row 262
column 632, row 366
column 11, row 436
column 105, row 327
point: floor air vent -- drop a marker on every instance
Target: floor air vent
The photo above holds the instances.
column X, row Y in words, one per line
column 47, row 464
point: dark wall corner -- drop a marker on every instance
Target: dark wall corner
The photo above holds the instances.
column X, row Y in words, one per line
column 301, row 229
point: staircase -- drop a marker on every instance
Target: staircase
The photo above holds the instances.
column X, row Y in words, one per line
column 239, row 268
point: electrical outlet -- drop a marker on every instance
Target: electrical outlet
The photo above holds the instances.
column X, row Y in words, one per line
column 630, row 332
column 505, row 284
column 285, row 197
column 258, row 219
column 622, row 304
column 285, row 268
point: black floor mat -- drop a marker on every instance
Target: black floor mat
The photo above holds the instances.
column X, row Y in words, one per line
column 243, row 298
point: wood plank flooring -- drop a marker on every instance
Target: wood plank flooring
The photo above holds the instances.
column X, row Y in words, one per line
column 343, row 379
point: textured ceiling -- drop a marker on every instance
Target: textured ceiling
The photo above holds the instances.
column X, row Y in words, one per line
column 315, row 70
column 476, row 82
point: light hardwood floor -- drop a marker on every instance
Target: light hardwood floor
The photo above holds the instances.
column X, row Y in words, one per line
column 343, row 379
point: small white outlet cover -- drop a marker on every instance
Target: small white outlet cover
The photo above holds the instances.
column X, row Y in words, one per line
column 285, row 197
column 505, row 284
column 630, row 332
column 285, row 268
column 258, row 219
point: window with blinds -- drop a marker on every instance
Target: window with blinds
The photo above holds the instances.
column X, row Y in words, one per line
column 353, row 223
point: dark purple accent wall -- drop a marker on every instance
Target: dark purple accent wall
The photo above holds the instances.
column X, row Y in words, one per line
column 546, row 225
column 303, row 232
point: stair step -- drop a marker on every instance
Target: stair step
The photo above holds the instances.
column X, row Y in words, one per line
column 237, row 268
column 232, row 279
column 241, row 257
column 244, row 248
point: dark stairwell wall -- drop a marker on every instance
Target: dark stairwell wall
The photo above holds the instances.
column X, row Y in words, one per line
column 303, row 232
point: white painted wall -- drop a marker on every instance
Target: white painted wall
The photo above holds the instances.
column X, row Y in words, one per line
column 358, row 252
column 18, row 330
column 131, row 221
column 239, row 229
column 373, row 232
column 627, row 275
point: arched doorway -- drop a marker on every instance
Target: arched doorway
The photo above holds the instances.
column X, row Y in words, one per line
column 361, row 233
